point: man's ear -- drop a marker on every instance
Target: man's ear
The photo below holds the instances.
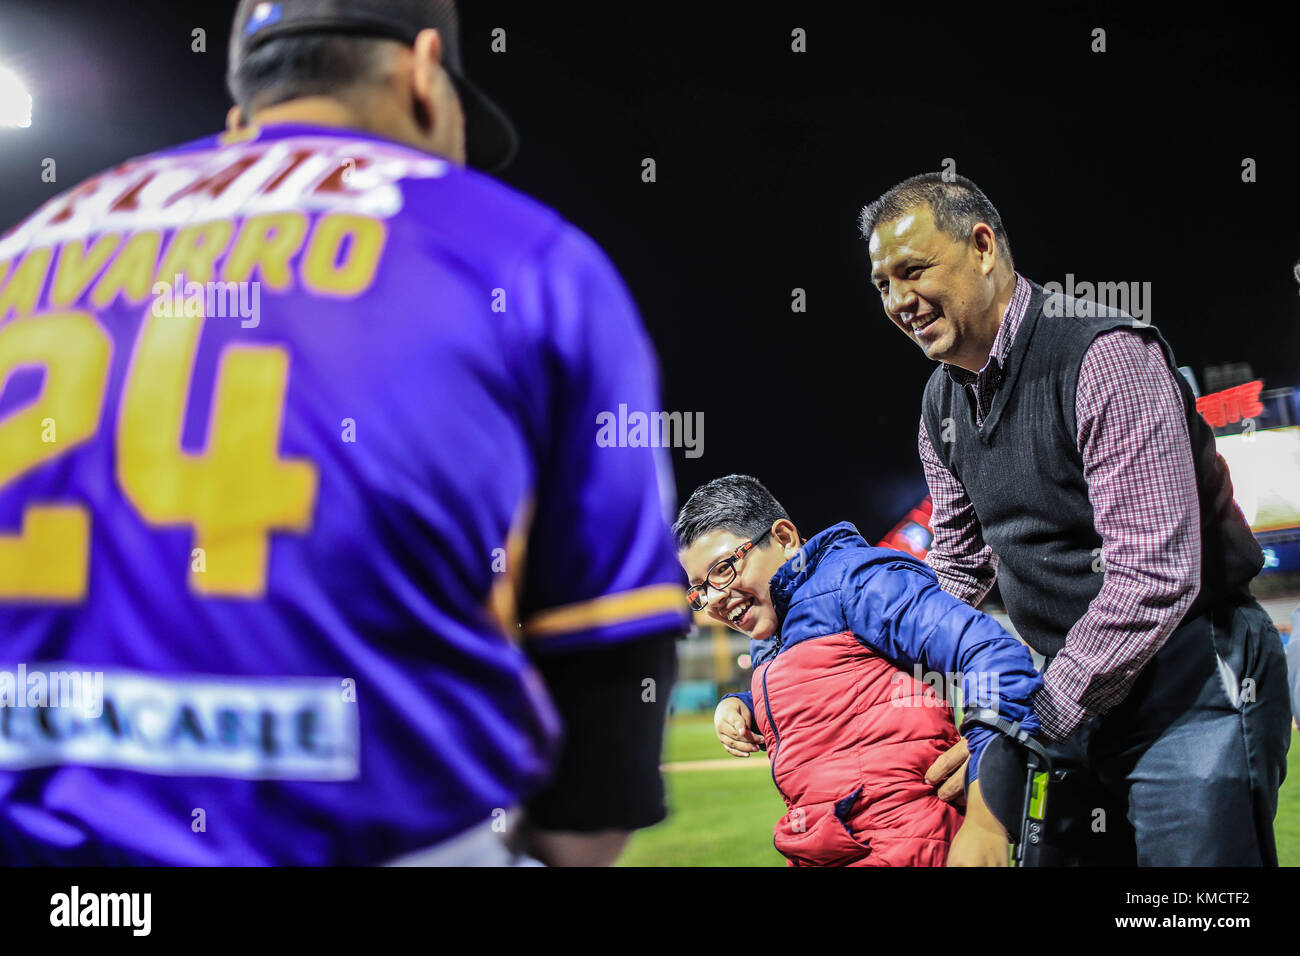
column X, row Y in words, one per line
column 234, row 119
column 985, row 244
column 426, row 63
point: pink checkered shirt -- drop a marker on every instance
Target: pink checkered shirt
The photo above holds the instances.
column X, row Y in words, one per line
column 1137, row 460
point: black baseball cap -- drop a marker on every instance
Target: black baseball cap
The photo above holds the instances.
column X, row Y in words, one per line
column 490, row 139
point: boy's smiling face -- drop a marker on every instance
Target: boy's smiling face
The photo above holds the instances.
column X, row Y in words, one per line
column 746, row 604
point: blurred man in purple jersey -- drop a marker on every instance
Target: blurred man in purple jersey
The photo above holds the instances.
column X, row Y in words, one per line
column 324, row 557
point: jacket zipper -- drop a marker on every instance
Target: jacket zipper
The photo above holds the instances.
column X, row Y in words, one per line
column 767, row 705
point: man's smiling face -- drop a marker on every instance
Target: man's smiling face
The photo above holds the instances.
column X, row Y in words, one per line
column 937, row 290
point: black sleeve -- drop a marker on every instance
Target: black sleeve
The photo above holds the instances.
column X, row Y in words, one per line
column 607, row 776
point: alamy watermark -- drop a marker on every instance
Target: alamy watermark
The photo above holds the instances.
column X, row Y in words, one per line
column 76, row 690
column 1087, row 299
column 624, row 429
column 214, row 300
column 941, row 689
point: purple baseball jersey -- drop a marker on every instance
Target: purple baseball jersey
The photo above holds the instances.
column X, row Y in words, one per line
column 298, row 473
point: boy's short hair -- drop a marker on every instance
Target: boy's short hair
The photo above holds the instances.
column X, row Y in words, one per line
column 737, row 503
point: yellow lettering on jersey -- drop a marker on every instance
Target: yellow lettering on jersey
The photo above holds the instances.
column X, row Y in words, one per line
column 132, row 271
column 76, row 268
column 323, row 272
column 49, row 558
column 20, row 292
column 267, row 243
column 194, row 250
column 238, row 489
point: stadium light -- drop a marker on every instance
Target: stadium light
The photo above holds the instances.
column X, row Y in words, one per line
column 15, row 101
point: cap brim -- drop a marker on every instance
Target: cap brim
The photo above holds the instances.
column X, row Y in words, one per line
column 490, row 138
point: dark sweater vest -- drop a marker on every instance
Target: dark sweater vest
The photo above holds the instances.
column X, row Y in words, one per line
column 1024, row 475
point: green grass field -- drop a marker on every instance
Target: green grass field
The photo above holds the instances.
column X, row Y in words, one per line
column 724, row 817
column 716, row 817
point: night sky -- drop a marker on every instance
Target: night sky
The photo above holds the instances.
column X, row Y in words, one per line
column 1119, row 166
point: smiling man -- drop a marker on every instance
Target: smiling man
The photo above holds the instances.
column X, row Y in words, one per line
column 1067, row 462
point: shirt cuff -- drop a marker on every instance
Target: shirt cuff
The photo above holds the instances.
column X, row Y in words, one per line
column 1058, row 715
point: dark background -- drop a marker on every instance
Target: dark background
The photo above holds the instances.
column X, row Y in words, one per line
column 1122, row 166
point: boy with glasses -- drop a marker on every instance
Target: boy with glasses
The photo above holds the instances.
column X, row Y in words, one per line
column 838, row 630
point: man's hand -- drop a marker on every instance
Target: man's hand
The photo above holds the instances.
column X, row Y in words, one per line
column 731, row 724
column 981, row 841
column 577, row 849
column 948, row 773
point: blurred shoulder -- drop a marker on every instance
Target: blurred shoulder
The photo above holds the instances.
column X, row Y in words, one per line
column 483, row 218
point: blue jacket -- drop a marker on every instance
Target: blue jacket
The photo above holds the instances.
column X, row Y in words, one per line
column 893, row 604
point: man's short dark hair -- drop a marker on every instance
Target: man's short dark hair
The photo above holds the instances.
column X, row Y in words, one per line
column 956, row 206
column 737, row 503
column 308, row 65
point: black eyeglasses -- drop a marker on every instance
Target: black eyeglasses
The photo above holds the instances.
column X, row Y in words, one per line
column 721, row 574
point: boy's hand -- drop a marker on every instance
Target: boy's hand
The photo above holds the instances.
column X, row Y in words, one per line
column 731, row 724
column 981, row 840
column 948, row 773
